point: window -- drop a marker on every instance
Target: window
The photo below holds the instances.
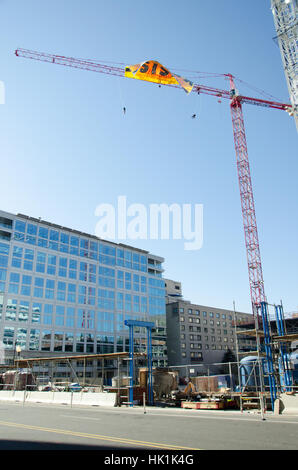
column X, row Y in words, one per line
column 3, row 274
column 59, row 319
column 26, row 285
column 51, row 265
column 3, row 260
column 38, row 287
column 70, row 315
column 14, row 277
column 5, row 223
column 69, row 339
column 71, row 296
column 23, row 311
column 120, row 279
column 64, row 238
column 16, row 256
column 43, row 232
column 48, row 314
column 46, row 340
column 50, row 286
column 31, row 229
column 36, row 312
column 5, row 235
column 34, row 340
column 11, row 309
column 20, row 226
column 8, row 336
column 127, row 281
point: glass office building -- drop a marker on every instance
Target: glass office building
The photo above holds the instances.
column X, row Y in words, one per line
column 64, row 291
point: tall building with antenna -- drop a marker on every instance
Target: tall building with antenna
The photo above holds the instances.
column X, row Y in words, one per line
column 285, row 14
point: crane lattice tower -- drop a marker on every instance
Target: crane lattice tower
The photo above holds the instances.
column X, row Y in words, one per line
column 285, row 14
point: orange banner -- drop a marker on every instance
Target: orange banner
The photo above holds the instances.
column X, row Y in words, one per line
column 153, row 71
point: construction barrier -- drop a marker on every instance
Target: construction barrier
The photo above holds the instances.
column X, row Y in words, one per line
column 63, row 398
column 289, row 404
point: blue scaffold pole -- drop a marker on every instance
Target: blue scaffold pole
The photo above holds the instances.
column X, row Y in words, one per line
column 286, row 379
column 149, row 355
column 131, row 368
column 268, row 350
column 148, row 325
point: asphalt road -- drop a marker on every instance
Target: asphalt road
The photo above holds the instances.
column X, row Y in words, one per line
column 60, row 427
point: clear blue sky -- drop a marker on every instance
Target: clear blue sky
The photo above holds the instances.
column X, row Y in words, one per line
column 66, row 146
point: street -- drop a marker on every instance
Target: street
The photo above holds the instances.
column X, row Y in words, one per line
column 49, row 427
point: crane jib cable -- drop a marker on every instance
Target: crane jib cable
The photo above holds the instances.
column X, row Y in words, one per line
column 120, row 71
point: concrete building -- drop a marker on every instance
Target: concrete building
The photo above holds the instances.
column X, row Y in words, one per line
column 198, row 334
column 63, row 291
column 173, row 291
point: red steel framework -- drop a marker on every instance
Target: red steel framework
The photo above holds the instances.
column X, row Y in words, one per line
column 256, row 281
column 253, row 254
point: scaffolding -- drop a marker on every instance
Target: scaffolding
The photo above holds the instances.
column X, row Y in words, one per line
column 103, row 368
column 268, row 367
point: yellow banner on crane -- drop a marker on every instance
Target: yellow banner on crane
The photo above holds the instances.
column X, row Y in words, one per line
column 152, row 71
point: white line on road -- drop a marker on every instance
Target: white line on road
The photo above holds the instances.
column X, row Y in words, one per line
column 80, row 417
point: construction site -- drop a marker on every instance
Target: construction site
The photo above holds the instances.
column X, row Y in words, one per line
column 260, row 381
column 127, row 378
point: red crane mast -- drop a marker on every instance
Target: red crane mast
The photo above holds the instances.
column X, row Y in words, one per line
column 256, row 281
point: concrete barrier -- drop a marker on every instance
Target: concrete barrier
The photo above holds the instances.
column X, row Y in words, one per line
column 99, row 399
column 6, row 395
column 289, row 404
column 66, row 398
column 39, row 397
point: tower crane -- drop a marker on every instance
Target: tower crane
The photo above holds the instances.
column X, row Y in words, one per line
column 285, row 16
column 256, row 282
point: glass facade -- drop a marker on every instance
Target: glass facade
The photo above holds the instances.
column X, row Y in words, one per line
column 62, row 290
